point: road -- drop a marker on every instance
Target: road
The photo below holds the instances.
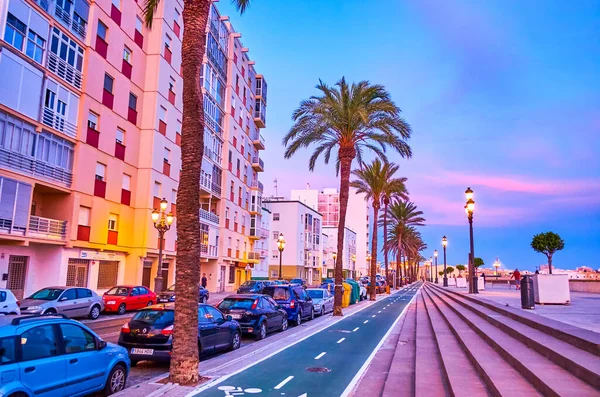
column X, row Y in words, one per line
column 326, row 363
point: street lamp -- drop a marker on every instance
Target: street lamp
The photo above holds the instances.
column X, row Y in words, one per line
column 435, row 255
column 445, row 243
column 353, row 265
column 280, row 247
column 162, row 222
column 497, row 266
column 431, row 269
column 469, row 209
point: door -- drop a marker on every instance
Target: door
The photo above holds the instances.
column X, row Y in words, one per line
column 85, row 371
column 305, row 304
column 84, row 301
column 146, row 274
column 67, row 303
column 165, row 275
column 328, row 301
column 207, row 330
column 269, row 311
column 278, row 316
column 42, row 369
column 17, row 269
column 145, row 297
column 135, row 299
column 222, row 279
column 223, row 333
column 77, row 273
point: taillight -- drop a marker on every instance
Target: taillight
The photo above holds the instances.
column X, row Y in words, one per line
column 125, row 328
column 254, row 305
column 167, row 331
column 18, row 303
column 292, row 304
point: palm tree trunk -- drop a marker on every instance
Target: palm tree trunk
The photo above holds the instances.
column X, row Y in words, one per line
column 410, row 276
column 346, row 157
column 400, row 262
column 374, row 251
column 385, row 251
column 184, row 358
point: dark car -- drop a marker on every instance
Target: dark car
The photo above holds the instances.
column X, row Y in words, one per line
column 169, row 295
column 256, row 314
column 379, row 288
column 294, row 299
column 149, row 334
column 252, row 287
column 299, row 281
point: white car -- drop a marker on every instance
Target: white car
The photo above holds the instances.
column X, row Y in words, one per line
column 363, row 292
column 322, row 300
column 8, row 303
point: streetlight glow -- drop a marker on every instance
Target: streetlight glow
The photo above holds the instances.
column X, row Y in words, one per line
column 435, row 253
column 444, row 241
column 155, row 216
column 469, row 193
column 170, row 218
column 163, row 205
column 470, row 205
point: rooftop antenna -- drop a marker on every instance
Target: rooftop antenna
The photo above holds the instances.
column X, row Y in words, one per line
column 275, row 182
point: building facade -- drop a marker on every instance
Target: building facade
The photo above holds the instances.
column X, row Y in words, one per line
column 349, row 267
column 90, row 134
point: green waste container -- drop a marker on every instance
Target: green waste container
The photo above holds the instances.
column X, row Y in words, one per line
column 355, row 295
column 346, row 295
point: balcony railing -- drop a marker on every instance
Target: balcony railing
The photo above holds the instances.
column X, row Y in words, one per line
column 43, row 4
column 258, row 140
column 208, row 251
column 63, row 70
column 47, row 228
column 209, row 217
column 263, row 253
column 59, row 122
column 257, row 185
column 258, row 164
column 7, row 227
column 31, row 166
column 252, row 256
column 264, row 233
column 66, row 19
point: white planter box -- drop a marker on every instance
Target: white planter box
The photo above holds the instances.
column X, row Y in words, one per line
column 551, row 289
column 480, row 284
column 451, row 282
column 461, row 283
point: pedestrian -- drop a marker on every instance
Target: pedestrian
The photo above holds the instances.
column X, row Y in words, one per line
column 537, row 271
column 204, row 280
column 483, row 277
column 517, row 276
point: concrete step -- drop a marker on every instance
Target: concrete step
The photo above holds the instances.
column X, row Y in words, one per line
column 499, row 376
column 578, row 337
column 580, row 363
column 430, row 377
column 463, row 380
column 544, row 375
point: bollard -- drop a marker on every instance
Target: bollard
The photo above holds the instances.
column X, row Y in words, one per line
column 527, row 296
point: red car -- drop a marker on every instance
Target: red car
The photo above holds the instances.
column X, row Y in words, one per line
column 121, row 298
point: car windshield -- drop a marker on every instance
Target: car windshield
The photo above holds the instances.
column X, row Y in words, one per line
column 47, row 294
column 249, row 284
column 278, row 293
column 296, row 281
column 171, row 288
column 232, row 303
column 315, row 294
column 117, row 291
column 155, row 317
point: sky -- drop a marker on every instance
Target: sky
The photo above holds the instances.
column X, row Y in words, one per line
column 503, row 96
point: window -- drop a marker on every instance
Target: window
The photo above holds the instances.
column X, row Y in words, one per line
column 213, row 313
column 127, row 55
column 167, row 41
column 231, row 274
column 66, row 49
column 171, row 84
column 120, row 137
column 14, row 33
column 113, row 222
column 102, row 29
column 108, row 83
column 276, row 216
column 173, row 196
column 100, row 171
column 107, row 274
column 132, row 101
column 126, row 184
column 76, row 339
column 275, row 235
column 93, row 121
column 69, row 294
column 84, row 216
column 35, row 46
column 138, row 24
column 117, row 3
column 162, row 114
column 38, row 342
column 167, row 155
column 157, row 189
column 7, row 350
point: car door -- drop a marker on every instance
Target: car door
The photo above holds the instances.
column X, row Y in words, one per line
column 278, row 316
column 82, row 358
column 135, row 298
column 84, row 301
column 4, row 303
column 305, row 303
column 272, row 314
column 42, row 368
column 328, row 301
column 67, row 303
column 223, row 333
column 207, row 330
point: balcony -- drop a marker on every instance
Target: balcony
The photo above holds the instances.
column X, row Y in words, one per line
column 34, row 167
column 260, row 114
column 208, row 251
column 59, row 122
column 209, row 217
column 264, row 233
column 258, row 141
column 216, row 189
column 258, row 164
column 63, row 70
column 251, row 257
column 65, row 17
column 263, row 253
column 261, row 89
column 257, row 185
column 254, row 234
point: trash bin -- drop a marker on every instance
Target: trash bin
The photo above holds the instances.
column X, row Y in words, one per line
column 346, row 296
column 387, row 289
column 355, row 294
column 527, row 296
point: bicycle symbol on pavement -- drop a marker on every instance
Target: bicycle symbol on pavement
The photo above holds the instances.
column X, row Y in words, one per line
column 238, row 391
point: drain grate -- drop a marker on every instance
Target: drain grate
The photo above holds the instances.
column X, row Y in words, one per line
column 318, row 369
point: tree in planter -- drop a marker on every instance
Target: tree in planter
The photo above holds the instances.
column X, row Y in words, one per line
column 460, row 268
column 478, row 262
column 449, row 270
column 547, row 243
column 441, row 273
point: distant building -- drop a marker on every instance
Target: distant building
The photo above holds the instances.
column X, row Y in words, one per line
column 349, row 256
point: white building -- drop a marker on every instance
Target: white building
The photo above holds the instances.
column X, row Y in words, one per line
column 301, row 228
column 263, row 247
column 349, row 254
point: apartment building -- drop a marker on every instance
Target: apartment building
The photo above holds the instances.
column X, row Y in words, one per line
column 302, row 230
column 349, row 267
column 90, row 134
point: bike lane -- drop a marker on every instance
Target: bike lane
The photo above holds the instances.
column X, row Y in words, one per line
column 325, row 363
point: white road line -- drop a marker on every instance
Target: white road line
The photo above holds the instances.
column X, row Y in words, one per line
column 379, row 311
column 373, row 315
column 355, row 329
column 320, row 355
column 341, row 340
column 366, row 321
column 283, row 382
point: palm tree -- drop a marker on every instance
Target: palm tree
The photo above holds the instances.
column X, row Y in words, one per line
column 374, row 181
column 184, row 359
column 391, row 191
column 403, row 216
column 349, row 118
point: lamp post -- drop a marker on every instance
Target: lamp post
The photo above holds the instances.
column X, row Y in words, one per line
column 435, row 255
column 162, row 222
column 469, row 209
column 497, row 266
column 354, row 266
column 444, row 244
column 280, row 247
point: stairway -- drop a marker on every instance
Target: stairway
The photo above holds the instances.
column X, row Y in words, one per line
column 455, row 344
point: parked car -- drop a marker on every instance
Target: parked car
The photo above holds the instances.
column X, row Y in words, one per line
column 149, row 334
column 278, row 282
column 379, row 289
column 252, row 287
column 8, row 302
column 299, row 281
column 70, row 301
column 121, row 298
column 169, row 295
column 54, row 356
column 363, row 292
column 322, row 300
column 294, row 299
column 256, row 314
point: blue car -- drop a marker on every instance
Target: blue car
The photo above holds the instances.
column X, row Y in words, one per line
column 51, row 355
column 168, row 296
column 294, row 299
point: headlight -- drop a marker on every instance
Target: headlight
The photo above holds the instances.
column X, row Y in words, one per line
column 34, row 308
column 111, row 302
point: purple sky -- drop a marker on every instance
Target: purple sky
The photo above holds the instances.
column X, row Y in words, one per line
column 503, row 96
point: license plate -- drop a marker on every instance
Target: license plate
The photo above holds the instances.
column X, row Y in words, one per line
column 162, row 300
column 147, row 352
column 236, row 316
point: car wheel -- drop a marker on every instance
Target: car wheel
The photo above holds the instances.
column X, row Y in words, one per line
column 322, row 311
column 236, row 341
column 284, row 324
column 50, row 311
column 122, row 309
column 299, row 318
column 116, row 380
column 18, row 395
column 150, row 303
column 312, row 313
column 95, row 312
column 262, row 331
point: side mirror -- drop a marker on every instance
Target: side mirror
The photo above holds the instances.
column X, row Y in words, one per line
column 102, row 345
column 229, row 318
column 64, row 298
